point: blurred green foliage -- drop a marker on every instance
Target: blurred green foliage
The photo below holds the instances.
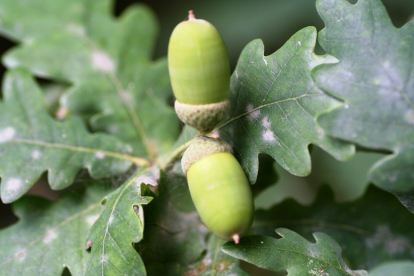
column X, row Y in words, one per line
column 241, row 21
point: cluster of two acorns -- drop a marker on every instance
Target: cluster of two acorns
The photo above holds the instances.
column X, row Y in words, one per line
column 200, row 77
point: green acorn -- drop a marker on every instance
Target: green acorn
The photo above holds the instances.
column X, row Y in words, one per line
column 200, row 73
column 219, row 188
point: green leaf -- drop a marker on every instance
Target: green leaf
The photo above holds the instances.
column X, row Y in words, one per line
column 374, row 77
column 395, row 174
column 31, row 142
column 267, row 175
column 274, row 106
column 51, row 235
column 349, row 180
column 366, row 229
column 108, row 62
column 407, row 199
column 52, row 93
column 20, row 20
column 214, row 262
column 292, row 253
column 173, row 230
column 120, row 224
column 402, row 268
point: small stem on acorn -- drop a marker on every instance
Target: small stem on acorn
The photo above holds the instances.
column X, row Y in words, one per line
column 191, row 15
column 176, row 154
column 236, row 238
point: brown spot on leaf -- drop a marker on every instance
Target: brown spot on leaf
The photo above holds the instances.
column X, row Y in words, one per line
column 199, row 269
column 222, row 266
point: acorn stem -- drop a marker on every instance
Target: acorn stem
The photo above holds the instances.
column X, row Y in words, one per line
column 176, row 154
column 191, row 15
column 236, row 238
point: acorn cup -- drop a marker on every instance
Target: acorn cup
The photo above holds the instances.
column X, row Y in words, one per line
column 200, row 74
column 219, row 188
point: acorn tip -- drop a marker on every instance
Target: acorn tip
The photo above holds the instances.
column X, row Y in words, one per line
column 191, row 15
column 236, row 238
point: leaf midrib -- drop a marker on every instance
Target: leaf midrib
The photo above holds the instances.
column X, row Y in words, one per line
column 297, row 252
column 136, row 121
column 135, row 160
column 266, row 105
column 113, row 207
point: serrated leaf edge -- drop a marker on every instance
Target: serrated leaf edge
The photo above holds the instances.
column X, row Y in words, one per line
column 132, row 180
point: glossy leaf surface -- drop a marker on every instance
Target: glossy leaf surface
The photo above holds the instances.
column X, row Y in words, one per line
column 274, row 106
column 292, row 253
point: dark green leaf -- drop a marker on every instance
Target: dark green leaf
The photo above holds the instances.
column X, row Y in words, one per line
column 371, row 230
column 395, row 173
column 214, row 262
column 292, row 253
column 120, row 224
column 31, row 142
column 107, row 61
column 274, row 106
column 374, row 76
column 51, row 235
column 173, row 230
column 403, row 268
column 267, row 175
column 407, row 199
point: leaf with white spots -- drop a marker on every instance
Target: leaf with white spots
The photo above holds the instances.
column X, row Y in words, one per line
column 293, row 253
column 375, row 78
column 51, row 235
column 371, row 230
column 31, row 142
column 106, row 61
column 275, row 104
column 119, row 226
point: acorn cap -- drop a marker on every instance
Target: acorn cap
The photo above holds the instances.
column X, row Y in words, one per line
column 203, row 117
column 201, row 147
